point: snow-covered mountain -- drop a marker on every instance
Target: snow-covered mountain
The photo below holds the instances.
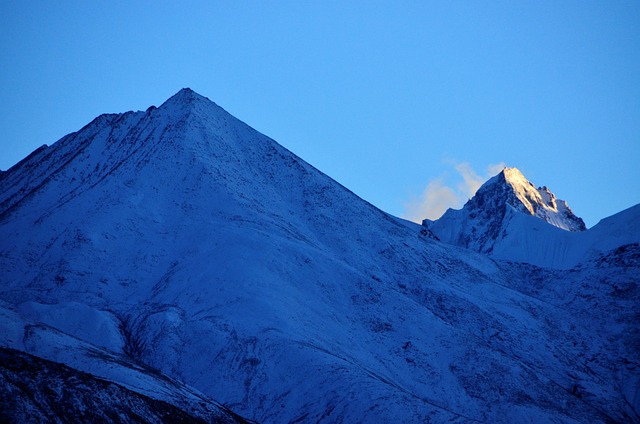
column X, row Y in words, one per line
column 188, row 248
column 480, row 223
column 508, row 218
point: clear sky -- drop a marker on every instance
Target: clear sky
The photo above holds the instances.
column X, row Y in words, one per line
column 398, row 101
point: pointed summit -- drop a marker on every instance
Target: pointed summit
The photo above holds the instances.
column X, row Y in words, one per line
column 187, row 91
column 540, row 202
column 188, row 131
column 188, row 101
column 184, row 96
column 484, row 219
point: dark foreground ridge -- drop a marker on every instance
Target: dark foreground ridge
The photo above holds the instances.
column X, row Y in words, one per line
column 36, row 390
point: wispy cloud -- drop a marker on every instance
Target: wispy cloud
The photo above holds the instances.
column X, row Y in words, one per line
column 436, row 198
column 471, row 181
column 440, row 195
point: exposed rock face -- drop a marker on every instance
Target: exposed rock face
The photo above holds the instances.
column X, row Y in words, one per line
column 484, row 219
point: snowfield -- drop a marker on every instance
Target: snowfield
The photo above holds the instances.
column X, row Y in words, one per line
column 186, row 247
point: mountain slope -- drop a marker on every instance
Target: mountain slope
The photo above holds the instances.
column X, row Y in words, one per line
column 187, row 241
column 37, row 390
column 40, row 388
column 532, row 241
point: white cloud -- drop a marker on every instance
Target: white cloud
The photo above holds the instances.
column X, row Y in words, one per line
column 439, row 196
column 434, row 201
column 471, row 181
column 495, row 169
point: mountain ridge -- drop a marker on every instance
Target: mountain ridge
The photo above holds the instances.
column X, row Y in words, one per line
column 540, row 202
column 243, row 272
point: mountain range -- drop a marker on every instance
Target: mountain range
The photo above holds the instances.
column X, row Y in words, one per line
column 179, row 262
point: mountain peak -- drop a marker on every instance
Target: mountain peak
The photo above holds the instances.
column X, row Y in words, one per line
column 484, row 219
column 516, row 179
column 514, row 176
column 522, row 195
column 201, row 112
column 185, row 96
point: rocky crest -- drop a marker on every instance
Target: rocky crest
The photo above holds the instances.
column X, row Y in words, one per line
column 484, row 219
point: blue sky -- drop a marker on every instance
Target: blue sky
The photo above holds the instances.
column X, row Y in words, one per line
column 395, row 100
